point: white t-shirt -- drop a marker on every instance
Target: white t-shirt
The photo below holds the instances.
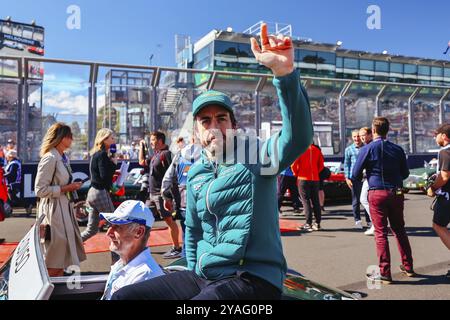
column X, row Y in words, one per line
column 142, row 267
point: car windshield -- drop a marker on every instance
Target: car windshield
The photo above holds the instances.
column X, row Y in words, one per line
column 4, row 279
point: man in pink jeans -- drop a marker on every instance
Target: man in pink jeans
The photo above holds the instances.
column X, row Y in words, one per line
column 386, row 168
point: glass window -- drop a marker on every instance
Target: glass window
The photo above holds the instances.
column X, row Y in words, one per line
column 381, row 66
column 174, row 106
column 424, row 70
column 52, row 102
column 306, row 56
column 426, row 120
column 410, row 69
column 323, row 96
column 136, row 120
column 326, row 58
column 366, row 65
column 351, row 63
column 202, row 65
column 245, row 50
column 394, row 106
column 9, row 110
column 225, row 48
column 339, row 62
column 437, row 72
column 447, row 111
column 447, row 72
column 396, row 67
column 359, row 106
column 202, row 54
column 126, row 109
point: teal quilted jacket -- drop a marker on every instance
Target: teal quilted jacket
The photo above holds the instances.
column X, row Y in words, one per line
column 232, row 214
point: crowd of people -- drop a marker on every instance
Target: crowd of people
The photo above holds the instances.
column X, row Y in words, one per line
column 10, row 181
column 228, row 212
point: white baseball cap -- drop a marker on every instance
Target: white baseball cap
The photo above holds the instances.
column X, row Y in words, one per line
column 128, row 212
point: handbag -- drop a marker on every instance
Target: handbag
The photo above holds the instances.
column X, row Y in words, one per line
column 47, row 230
column 325, row 173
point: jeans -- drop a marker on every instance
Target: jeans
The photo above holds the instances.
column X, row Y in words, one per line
column 309, row 191
column 386, row 205
column 356, row 202
column 187, row 285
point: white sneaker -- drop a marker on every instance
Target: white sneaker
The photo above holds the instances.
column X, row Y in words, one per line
column 370, row 232
column 358, row 225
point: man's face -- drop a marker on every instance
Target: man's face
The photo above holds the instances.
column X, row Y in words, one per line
column 122, row 237
column 441, row 139
column 356, row 138
column 212, row 124
column 155, row 143
column 365, row 137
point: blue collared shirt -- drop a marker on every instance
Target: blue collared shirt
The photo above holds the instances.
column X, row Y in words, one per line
column 351, row 154
column 385, row 164
column 142, row 267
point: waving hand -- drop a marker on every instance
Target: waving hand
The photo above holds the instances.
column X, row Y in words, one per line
column 275, row 52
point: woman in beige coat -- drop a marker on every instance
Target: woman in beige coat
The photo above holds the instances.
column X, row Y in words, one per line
column 53, row 182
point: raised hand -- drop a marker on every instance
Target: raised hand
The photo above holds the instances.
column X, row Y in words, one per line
column 276, row 53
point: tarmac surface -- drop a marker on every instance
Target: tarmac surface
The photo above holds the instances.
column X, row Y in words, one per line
column 337, row 256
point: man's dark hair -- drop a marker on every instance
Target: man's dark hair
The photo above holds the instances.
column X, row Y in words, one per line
column 381, row 126
column 159, row 136
column 445, row 129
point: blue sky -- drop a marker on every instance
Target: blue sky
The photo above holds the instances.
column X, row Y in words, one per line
column 130, row 31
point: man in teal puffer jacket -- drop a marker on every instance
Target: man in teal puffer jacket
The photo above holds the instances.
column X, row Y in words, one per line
column 233, row 242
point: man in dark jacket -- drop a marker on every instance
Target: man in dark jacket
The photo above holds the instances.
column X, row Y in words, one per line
column 158, row 165
column 386, row 168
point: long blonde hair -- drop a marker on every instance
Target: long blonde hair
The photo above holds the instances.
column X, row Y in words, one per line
column 54, row 136
column 102, row 135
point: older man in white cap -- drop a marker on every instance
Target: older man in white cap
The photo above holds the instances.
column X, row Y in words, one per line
column 129, row 232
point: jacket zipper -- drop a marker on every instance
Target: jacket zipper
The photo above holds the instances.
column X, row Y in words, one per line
column 215, row 168
column 212, row 213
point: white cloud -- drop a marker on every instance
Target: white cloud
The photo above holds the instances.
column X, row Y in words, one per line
column 101, row 100
column 67, row 103
column 49, row 77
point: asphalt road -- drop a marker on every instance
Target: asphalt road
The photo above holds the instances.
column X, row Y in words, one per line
column 338, row 256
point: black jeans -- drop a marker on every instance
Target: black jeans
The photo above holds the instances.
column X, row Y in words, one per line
column 309, row 192
column 187, row 285
column 284, row 183
column 356, row 202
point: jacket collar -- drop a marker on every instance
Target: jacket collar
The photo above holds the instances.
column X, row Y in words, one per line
column 55, row 152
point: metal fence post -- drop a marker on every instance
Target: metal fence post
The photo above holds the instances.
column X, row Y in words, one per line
column 442, row 107
column 342, row 122
column 411, row 121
